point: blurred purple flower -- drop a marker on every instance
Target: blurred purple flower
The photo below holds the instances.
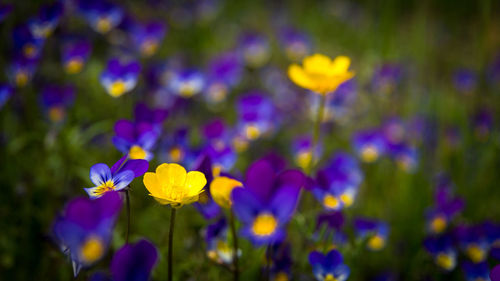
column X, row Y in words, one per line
column 75, row 54
column 56, row 100
column 328, row 267
column 134, row 262
column 119, row 78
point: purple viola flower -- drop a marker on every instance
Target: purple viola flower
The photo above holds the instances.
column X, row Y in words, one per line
column 495, row 273
column 176, row 148
column 332, row 220
column 446, row 207
column 280, row 255
column 406, row 157
column 386, row 78
column 476, row 271
column 295, row 43
column 136, row 139
column 134, row 262
column 102, row 16
column 267, row 202
column 116, row 178
column 75, row 54
column 465, row 80
column 375, row 232
column 336, row 185
column 21, row 71
column 473, row 241
column 148, row 37
column 224, row 72
column 369, row 144
column 482, row 123
column 27, row 45
column 255, row 49
column 302, row 151
column 205, row 204
column 442, row 250
column 56, row 100
column 328, row 267
column 119, row 78
column 394, row 132
column 187, row 83
column 5, row 92
column 218, row 247
column 257, row 115
column 218, row 147
column 85, row 229
column 493, row 235
column 154, row 116
column 5, row 10
column 46, row 21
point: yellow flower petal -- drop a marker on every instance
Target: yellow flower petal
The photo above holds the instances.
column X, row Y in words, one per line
column 171, row 175
column 299, row 76
column 339, row 65
column 316, row 63
column 152, row 184
column 195, row 181
column 221, row 188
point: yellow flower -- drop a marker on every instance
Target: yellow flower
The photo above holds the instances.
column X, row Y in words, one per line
column 320, row 74
column 221, row 188
column 172, row 185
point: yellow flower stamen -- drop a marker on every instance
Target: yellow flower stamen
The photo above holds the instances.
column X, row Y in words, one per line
column 137, row 152
column 264, row 224
column 117, row 88
column 92, row 249
column 331, row 202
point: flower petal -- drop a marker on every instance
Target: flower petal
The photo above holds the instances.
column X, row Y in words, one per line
column 245, row 205
column 152, row 184
column 299, row 76
column 122, row 179
column 339, row 65
column 100, row 173
column 171, row 175
column 317, row 63
column 195, row 181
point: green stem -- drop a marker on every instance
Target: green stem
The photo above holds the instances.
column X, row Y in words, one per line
column 316, row 131
column 236, row 269
column 170, row 242
column 127, row 199
column 268, row 263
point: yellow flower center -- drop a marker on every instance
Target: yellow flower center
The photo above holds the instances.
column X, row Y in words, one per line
column 369, row 154
column 376, row 242
column 281, row 276
column 240, row 144
column 330, row 201
column 175, row 154
column 217, row 92
column 100, row 190
column 118, row 88
column 92, row 249
column 216, row 169
column 438, row 224
column 74, row 66
column 103, row 25
column 264, row 224
column 21, row 78
column 56, row 113
column 303, row 159
column 29, row 50
column 187, row 90
column 149, row 47
column 347, row 199
column 136, row 152
column 330, row 277
column 252, row 132
column 475, row 253
column 445, row 261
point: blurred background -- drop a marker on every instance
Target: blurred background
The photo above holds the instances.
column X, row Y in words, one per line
column 430, row 67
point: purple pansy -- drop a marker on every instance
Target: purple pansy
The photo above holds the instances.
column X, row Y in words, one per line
column 120, row 77
column 5, row 10
column 328, row 267
column 187, row 82
column 25, row 44
column 224, row 72
column 255, row 49
column 218, row 247
column 135, row 138
column 476, row 271
column 56, row 100
column 21, row 71
column 386, row 78
column 446, row 207
column 442, row 250
column 46, row 21
column 465, row 80
column 75, row 54
column 101, row 15
column 369, row 144
column 473, row 241
column 147, row 37
column 302, row 151
column 482, row 123
column 85, row 229
column 116, row 178
column 134, row 262
column 5, row 92
column 374, row 231
column 256, row 115
column 295, row 43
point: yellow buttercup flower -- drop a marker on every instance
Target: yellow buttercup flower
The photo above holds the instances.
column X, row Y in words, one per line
column 221, row 188
column 172, row 185
column 321, row 74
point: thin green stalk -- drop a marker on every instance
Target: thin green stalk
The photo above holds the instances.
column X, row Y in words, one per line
column 127, row 200
column 316, row 131
column 236, row 270
column 170, row 242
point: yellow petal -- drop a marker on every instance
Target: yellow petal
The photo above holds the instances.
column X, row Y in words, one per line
column 189, row 200
column 171, row 175
column 221, row 188
column 151, row 183
column 339, row 65
column 195, row 181
column 317, row 64
column 299, row 76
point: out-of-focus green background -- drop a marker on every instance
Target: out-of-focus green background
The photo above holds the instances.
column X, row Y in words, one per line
column 43, row 167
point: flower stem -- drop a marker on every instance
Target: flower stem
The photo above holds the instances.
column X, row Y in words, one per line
column 268, row 263
column 127, row 199
column 316, row 131
column 170, row 242
column 236, row 269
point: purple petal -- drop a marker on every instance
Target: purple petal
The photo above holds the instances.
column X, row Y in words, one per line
column 495, row 273
column 108, row 205
column 284, row 203
column 137, row 166
column 122, row 179
column 80, row 211
column 316, row 257
column 118, row 164
column 100, row 173
column 333, row 258
column 134, row 262
column 260, row 179
column 125, row 129
column 245, row 205
column 291, row 178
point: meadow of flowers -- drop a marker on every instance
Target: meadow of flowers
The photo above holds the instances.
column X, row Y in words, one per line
column 250, row 140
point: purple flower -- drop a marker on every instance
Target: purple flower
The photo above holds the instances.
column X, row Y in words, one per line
column 205, row 204
column 476, row 271
column 281, row 261
column 328, row 267
column 75, row 54
column 256, row 115
column 136, row 139
column 267, row 202
column 295, row 43
column 376, row 232
column 147, row 37
column 85, row 229
column 386, row 78
column 301, row 148
column 21, row 71
column 442, row 250
column 406, row 157
column 117, row 178
column 482, row 123
column 153, row 116
column 473, row 241
column 218, row 147
column 101, row 15
column 134, row 262
column 176, row 148
column 336, row 185
column 46, row 21
column 447, row 206
column 119, row 78
column 255, row 49
column 5, row 92
column 27, row 45
column 465, row 80
column 495, row 273
column 56, row 99
column 369, row 145
column 224, row 72
column 187, row 83
column 5, row 10
column 333, row 220
column 218, row 247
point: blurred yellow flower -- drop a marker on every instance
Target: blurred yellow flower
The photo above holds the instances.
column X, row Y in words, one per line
column 172, row 185
column 221, row 188
column 320, row 74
